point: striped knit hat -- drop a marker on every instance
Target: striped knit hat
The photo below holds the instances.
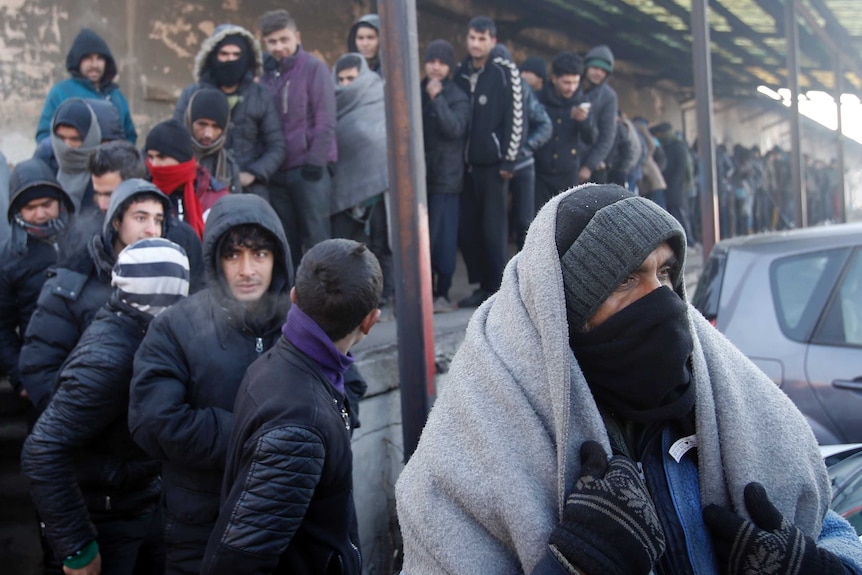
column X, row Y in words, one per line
column 151, row 275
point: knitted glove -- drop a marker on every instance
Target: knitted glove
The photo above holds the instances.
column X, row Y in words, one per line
column 767, row 544
column 609, row 523
column 311, row 172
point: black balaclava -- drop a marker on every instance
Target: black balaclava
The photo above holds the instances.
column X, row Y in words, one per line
column 227, row 74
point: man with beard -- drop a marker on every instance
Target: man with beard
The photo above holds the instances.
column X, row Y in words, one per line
column 230, row 60
column 93, row 70
column 207, row 119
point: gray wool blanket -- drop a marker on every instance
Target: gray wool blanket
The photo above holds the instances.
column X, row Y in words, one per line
column 499, row 452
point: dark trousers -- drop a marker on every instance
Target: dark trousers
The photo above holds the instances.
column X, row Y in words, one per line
column 303, row 208
column 371, row 228
column 483, row 231
column 443, row 212
column 523, row 206
column 549, row 185
column 186, row 544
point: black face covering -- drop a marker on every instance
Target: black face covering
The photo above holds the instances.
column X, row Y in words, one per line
column 636, row 362
column 227, row 74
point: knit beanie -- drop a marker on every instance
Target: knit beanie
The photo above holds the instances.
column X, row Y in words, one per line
column 75, row 113
column 37, row 192
column 600, row 57
column 151, row 275
column 172, row 139
column 441, row 50
column 537, row 66
column 211, row 104
column 603, row 233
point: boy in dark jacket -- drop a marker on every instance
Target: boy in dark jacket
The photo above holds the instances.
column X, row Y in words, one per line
column 96, row 492
column 288, row 489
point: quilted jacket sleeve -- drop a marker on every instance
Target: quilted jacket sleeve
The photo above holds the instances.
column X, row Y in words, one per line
column 266, row 502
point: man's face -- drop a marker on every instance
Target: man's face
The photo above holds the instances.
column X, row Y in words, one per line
column 480, row 44
column 143, row 219
column 347, row 76
column 206, row 131
column 228, row 53
column 653, row 273
column 103, row 187
column 40, row 210
column 534, row 81
column 92, row 67
column 566, row 85
column 367, row 42
column 437, row 70
column 282, row 43
column 596, row 75
column 69, row 135
column 159, row 160
column 248, row 272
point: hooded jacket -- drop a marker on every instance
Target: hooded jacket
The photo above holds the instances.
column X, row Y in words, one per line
column 372, row 20
column 22, row 274
column 604, row 110
column 254, row 138
column 87, row 42
column 190, row 364
column 74, row 292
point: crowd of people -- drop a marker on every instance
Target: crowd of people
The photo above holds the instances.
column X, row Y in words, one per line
column 180, row 318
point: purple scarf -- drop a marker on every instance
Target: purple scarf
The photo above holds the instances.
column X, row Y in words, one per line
column 304, row 333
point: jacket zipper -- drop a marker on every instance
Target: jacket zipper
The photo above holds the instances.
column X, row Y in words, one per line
column 258, row 346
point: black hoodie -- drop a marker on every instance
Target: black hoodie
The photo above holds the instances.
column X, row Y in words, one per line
column 88, row 42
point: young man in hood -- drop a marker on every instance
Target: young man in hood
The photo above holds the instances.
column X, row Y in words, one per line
column 302, row 90
column 598, row 66
column 593, row 422
column 364, row 39
column 230, row 60
column 207, row 118
column 93, row 70
column 39, row 214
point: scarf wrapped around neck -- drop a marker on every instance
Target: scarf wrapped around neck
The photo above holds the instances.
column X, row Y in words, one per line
column 47, row 232
column 170, row 178
column 216, row 148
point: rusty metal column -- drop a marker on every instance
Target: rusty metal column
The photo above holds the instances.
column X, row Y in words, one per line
column 797, row 190
column 409, row 216
column 839, row 138
column 703, row 108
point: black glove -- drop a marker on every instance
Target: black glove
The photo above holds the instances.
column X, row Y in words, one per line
column 767, row 543
column 609, row 523
column 311, row 172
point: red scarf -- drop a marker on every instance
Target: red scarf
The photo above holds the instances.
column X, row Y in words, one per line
column 169, row 179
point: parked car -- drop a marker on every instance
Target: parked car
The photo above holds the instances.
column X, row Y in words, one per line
column 792, row 302
column 845, row 474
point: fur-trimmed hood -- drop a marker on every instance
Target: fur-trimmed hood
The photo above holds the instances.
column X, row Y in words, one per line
column 223, row 31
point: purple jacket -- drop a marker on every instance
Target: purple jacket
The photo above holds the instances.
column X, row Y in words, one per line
column 305, row 100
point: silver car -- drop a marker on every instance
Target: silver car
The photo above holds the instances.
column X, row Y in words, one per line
column 792, row 302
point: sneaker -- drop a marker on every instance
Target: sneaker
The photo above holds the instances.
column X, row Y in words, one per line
column 442, row 305
column 475, row 299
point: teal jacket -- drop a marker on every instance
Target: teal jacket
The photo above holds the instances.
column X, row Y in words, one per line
column 83, row 88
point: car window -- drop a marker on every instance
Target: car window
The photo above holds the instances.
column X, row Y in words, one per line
column 801, row 284
column 708, row 289
column 842, row 323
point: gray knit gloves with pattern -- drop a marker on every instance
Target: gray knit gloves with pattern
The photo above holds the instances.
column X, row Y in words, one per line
column 767, row 543
column 609, row 524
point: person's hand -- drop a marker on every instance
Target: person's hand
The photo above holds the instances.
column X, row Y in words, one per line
column 506, row 174
column 579, row 114
column 246, row 179
column 584, row 174
column 765, row 544
column 94, row 567
column 434, row 87
column 311, row 173
column 609, row 524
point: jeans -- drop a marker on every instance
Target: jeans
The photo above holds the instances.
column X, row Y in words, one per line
column 549, row 185
column 483, row 231
column 443, row 212
column 303, row 208
column 523, row 190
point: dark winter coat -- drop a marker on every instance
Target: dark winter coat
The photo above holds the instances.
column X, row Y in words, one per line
column 190, row 365
column 604, row 109
column 304, row 98
column 497, row 112
column 677, row 168
column 539, row 128
column 288, row 492
column 254, row 135
column 80, row 457
column 444, row 126
column 563, row 152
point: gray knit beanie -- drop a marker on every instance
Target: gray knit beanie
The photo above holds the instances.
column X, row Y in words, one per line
column 603, row 233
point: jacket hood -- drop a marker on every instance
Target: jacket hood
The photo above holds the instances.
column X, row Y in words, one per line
column 85, row 43
column 222, row 32
column 123, row 192
column 30, row 173
column 603, row 53
column 372, row 20
column 108, row 118
column 238, row 209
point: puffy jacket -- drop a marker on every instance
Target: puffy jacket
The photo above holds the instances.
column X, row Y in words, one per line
column 254, row 135
column 444, row 126
column 80, row 458
column 304, row 98
column 87, row 42
column 288, row 493
column 563, row 151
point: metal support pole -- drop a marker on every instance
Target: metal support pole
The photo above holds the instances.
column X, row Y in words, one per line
column 705, row 141
column 791, row 32
column 409, row 216
column 839, row 139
